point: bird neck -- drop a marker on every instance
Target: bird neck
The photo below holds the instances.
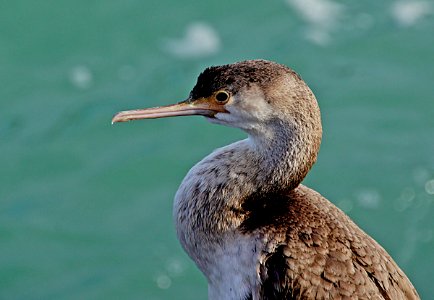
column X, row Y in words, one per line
column 284, row 155
column 271, row 162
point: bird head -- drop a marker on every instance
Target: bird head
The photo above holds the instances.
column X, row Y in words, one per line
column 253, row 95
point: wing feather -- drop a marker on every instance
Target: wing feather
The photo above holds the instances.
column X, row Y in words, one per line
column 314, row 251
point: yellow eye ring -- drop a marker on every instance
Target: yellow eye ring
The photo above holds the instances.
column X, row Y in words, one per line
column 221, row 97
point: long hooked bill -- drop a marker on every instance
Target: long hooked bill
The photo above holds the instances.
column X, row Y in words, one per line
column 202, row 107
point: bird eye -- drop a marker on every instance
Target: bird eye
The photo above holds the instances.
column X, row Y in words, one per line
column 222, row 96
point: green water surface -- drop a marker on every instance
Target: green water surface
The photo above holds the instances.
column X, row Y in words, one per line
column 86, row 207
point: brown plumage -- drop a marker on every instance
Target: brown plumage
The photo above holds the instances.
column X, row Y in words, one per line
column 242, row 214
column 321, row 253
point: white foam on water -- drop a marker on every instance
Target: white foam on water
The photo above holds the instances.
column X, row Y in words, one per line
column 163, row 281
column 318, row 36
column 175, row 267
column 346, row 205
column 322, row 17
column 408, row 13
column 200, row 40
column 81, row 77
column 429, row 187
column 368, row 198
column 405, row 200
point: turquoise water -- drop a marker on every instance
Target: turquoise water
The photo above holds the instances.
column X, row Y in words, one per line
column 85, row 207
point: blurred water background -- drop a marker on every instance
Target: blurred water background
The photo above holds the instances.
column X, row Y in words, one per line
column 85, row 207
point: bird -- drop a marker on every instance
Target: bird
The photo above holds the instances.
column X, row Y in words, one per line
column 243, row 215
